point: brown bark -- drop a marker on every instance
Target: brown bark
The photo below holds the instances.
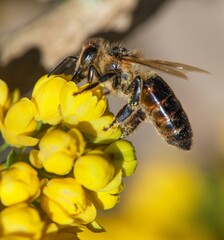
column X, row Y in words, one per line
column 61, row 31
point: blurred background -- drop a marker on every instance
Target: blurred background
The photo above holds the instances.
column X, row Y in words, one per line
column 173, row 194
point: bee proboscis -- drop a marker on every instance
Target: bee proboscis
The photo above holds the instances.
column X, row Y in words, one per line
column 149, row 96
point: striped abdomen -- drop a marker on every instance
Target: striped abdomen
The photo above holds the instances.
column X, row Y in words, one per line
column 166, row 112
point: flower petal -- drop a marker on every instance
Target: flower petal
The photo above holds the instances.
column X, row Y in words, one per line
column 20, row 117
column 94, row 170
column 46, row 99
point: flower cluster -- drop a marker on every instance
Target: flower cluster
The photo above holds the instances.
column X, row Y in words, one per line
column 63, row 165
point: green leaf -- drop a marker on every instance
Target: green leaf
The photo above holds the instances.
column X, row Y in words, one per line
column 95, row 227
column 12, row 157
column 3, row 146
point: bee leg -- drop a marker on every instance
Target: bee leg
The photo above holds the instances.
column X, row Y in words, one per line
column 102, row 79
column 78, row 75
column 131, row 123
column 107, row 77
column 127, row 110
column 115, row 82
column 88, row 87
column 91, row 71
column 130, row 107
column 64, row 65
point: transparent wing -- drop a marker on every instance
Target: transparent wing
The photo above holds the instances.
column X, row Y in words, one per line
column 174, row 68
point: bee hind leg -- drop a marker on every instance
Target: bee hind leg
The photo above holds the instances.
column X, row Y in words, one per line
column 132, row 122
column 129, row 111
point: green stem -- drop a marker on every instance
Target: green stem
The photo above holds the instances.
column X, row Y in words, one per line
column 23, row 149
column 3, row 146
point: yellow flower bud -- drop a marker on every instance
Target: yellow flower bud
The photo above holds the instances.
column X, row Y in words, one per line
column 95, row 132
column 20, row 222
column 123, row 154
column 114, row 187
column 19, row 123
column 6, row 98
column 84, row 106
column 4, row 92
column 65, row 202
column 46, row 99
column 19, row 118
column 108, row 197
column 19, row 183
column 94, row 170
column 105, row 200
column 3, row 96
column 58, row 150
column 65, row 232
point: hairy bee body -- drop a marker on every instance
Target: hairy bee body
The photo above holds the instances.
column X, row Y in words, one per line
column 124, row 73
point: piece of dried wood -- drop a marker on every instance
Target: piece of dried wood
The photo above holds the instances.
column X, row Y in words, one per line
column 61, row 31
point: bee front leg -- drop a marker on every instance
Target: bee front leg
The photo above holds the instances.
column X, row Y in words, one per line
column 102, row 79
column 91, row 72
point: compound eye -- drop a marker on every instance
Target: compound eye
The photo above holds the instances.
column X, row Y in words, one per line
column 88, row 56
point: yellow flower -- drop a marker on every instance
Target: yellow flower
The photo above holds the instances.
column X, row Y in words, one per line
column 19, row 123
column 81, row 107
column 76, row 168
column 20, row 222
column 94, row 170
column 65, row 202
column 94, row 130
column 4, row 92
column 6, row 99
column 104, row 200
column 19, row 183
column 108, row 197
column 3, row 96
column 123, row 154
column 58, row 150
column 46, row 98
column 54, row 231
column 164, row 203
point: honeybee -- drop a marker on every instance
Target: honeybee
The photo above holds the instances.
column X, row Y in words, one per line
column 149, row 96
